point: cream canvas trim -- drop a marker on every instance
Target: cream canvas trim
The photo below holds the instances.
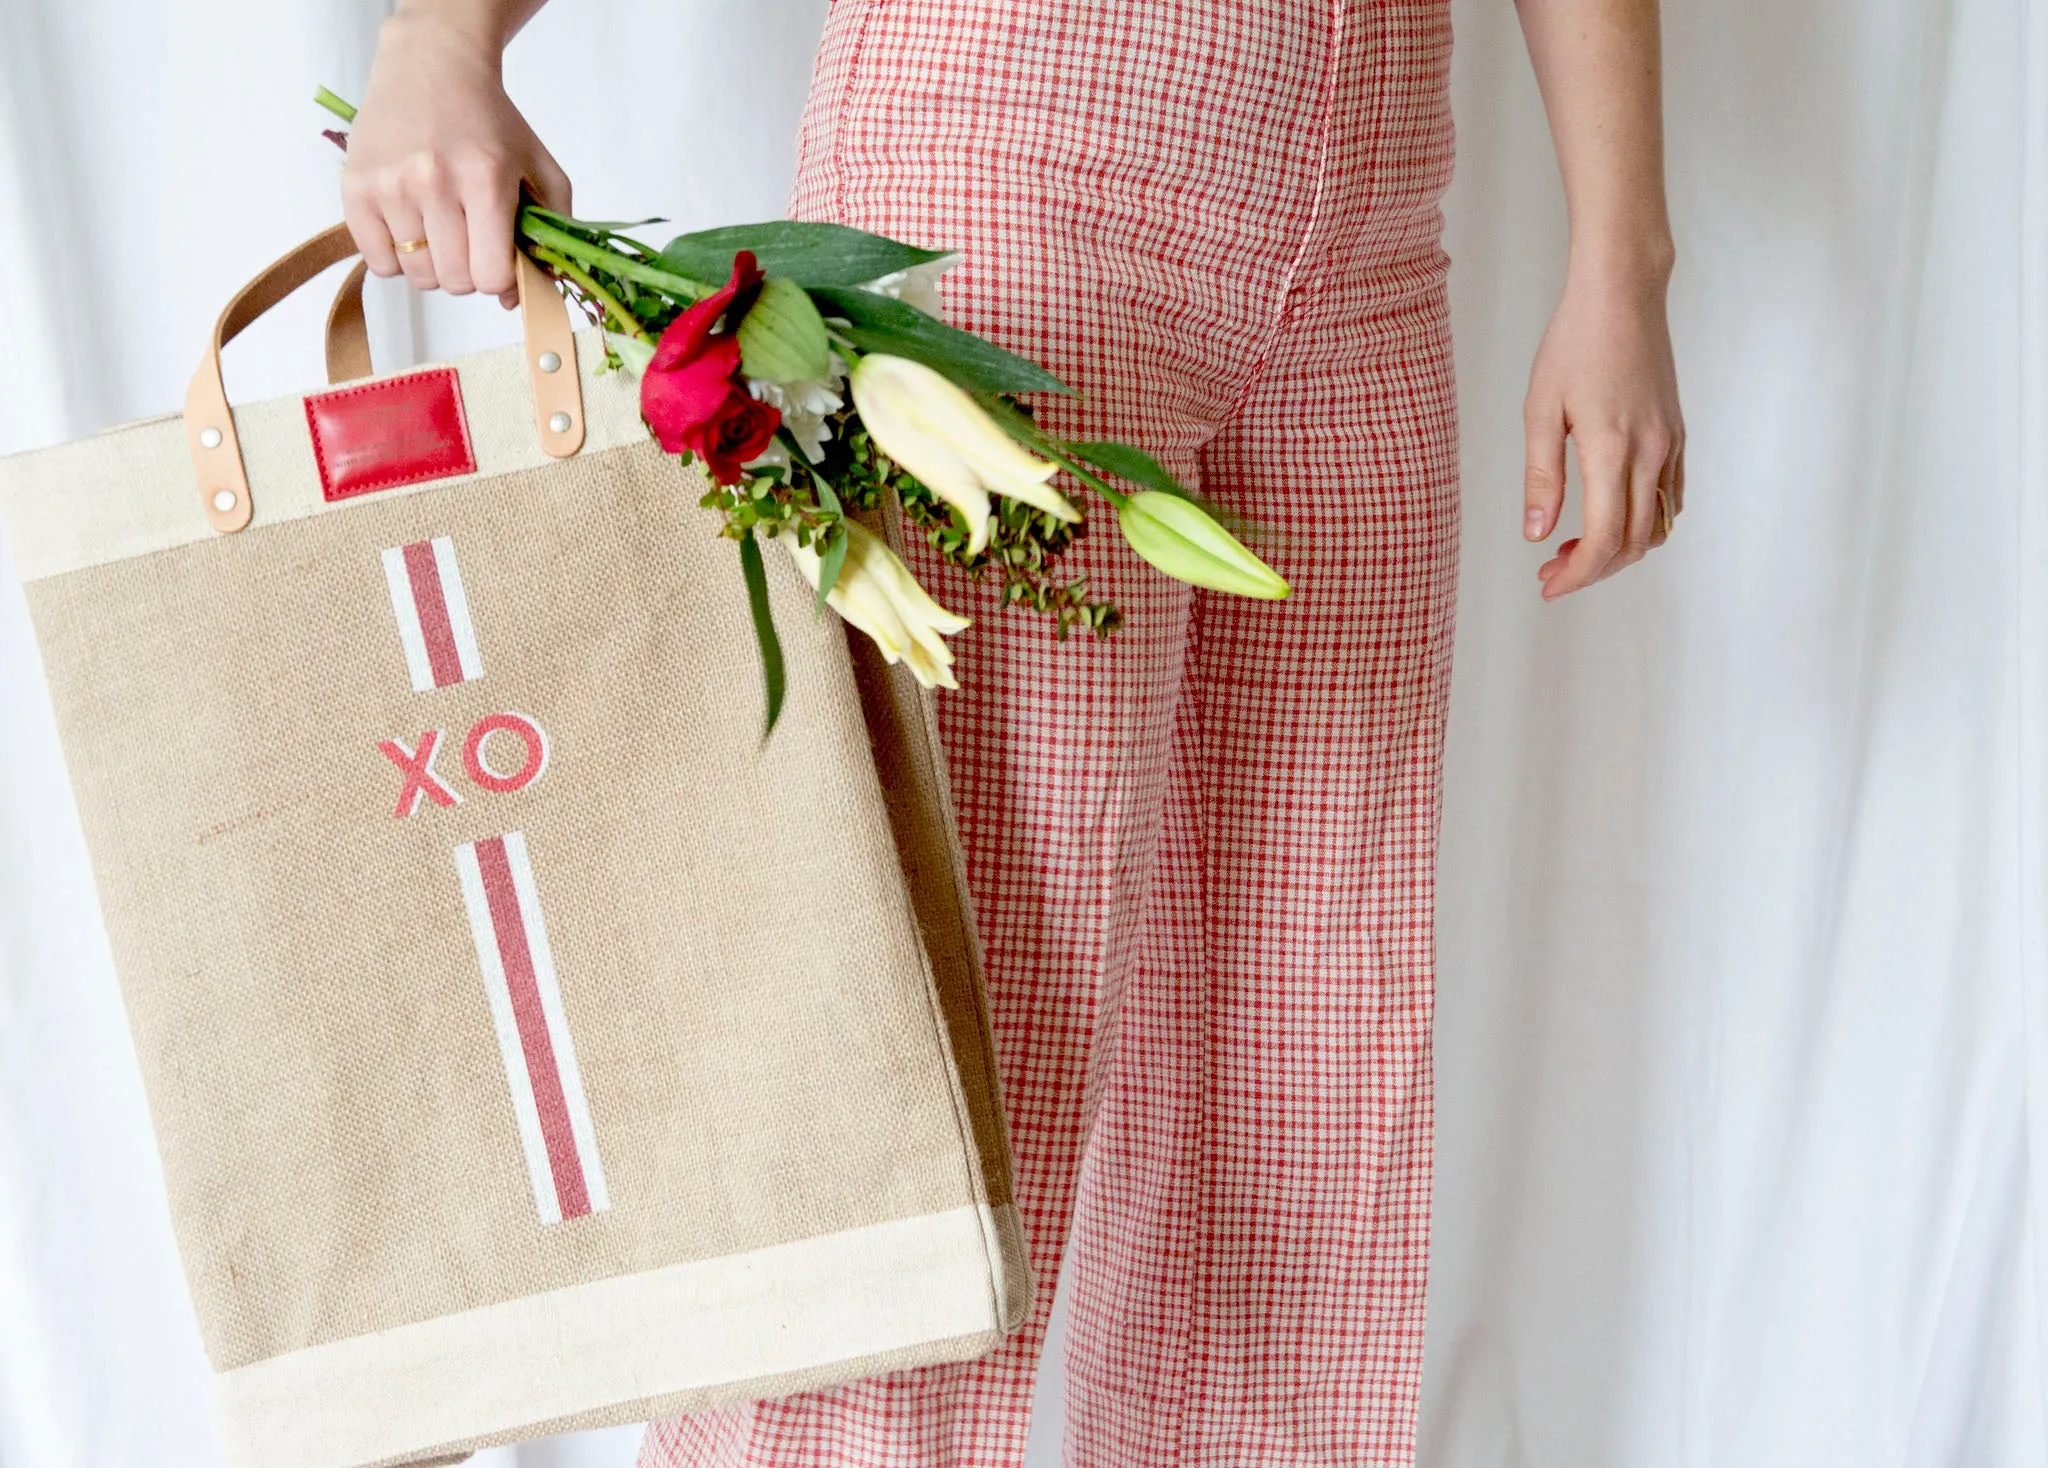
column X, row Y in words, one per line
column 731, row 1320
column 129, row 491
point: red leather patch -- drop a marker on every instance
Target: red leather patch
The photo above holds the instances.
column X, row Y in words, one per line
column 380, row 435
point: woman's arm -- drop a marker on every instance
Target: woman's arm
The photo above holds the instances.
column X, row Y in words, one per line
column 438, row 152
column 1604, row 374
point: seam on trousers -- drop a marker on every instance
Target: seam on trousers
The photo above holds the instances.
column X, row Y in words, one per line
column 843, row 113
column 1196, row 764
column 1284, row 314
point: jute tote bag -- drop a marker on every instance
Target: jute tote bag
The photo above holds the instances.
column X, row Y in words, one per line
column 529, row 1045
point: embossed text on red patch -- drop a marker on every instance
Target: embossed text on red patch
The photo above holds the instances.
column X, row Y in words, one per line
column 379, row 435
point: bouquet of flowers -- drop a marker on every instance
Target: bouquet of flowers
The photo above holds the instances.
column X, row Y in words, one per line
column 807, row 368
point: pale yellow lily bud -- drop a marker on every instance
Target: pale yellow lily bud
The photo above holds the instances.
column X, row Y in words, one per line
column 942, row 436
column 876, row 594
column 1178, row 537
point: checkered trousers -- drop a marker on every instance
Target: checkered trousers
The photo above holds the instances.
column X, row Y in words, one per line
column 1202, row 851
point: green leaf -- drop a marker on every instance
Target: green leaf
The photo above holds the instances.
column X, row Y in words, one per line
column 809, row 254
column 592, row 227
column 1126, row 462
column 782, row 336
column 772, row 676
column 835, row 554
column 884, row 324
column 1147, row 472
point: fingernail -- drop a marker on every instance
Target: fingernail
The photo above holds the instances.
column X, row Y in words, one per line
column 1532, row 525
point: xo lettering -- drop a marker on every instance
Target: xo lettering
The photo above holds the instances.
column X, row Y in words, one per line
column 502, row 753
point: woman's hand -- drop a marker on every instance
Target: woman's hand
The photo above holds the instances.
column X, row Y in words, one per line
column 1604, row 377
column 438, row 152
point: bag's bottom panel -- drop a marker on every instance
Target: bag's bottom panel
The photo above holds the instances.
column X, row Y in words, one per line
column 794, row 1317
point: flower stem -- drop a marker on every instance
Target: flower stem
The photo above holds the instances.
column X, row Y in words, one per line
column 334, row 104
column 612, row 261
column 1087, row 476
column 625, row 323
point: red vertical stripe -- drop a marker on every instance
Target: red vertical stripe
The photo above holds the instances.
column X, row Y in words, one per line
column 510, row 929
column 435, row 628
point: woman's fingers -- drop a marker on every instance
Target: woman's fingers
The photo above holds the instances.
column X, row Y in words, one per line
column 447, row 231
column 1634, row 489
column 490, row 200
column 1645, row 505
column 366, row 223
column 1657, row 502
column 1543, row 465
column 409, row 238
column 460, row 233
column 1645, row 508
column 1671, row 492
column 1547, row 572
column 1586, row 560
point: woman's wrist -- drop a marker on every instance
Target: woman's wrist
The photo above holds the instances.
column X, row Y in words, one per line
column 479, row 28
column 1629, row 258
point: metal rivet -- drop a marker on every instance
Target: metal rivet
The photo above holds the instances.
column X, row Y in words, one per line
column 549, row 362
column 224, row 500
column 210, row 437
column 559, row 422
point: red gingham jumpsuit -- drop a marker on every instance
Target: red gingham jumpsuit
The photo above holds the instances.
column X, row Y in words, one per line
column 1201, row 851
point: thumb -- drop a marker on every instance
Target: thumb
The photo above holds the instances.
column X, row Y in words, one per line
column 1543, row 466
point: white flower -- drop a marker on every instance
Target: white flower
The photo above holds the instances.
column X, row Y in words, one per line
column 805, row 406
column 876, row 593
column 918, row 285
column 942, row 436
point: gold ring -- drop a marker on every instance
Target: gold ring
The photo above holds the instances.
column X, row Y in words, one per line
column 407, row 247
column 1664, row 515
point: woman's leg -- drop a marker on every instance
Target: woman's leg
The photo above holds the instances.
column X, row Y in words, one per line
column 1252, row 1233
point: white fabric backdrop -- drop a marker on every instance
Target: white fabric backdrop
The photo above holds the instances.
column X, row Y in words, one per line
column 1733, row 1053
column 1743, row 1030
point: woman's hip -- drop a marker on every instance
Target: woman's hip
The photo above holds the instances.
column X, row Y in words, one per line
column 1233, row 137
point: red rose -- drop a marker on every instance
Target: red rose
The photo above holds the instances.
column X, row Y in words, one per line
column 740, row 431
column 693, row 395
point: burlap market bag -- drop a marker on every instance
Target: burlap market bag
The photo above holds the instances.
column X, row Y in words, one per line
column 529, row 1045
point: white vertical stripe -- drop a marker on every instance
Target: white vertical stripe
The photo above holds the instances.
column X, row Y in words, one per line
column 507, row 1024
column 471, row 660
column 558, row 1021
column 408, row 615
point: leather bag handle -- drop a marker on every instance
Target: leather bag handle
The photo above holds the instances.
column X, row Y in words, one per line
column 210, row 436
column 348, row 335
